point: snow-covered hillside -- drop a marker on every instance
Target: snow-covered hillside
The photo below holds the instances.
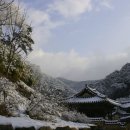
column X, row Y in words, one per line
column 21, row 100
column 48, row 82
column 49, row 85
column 42, row 100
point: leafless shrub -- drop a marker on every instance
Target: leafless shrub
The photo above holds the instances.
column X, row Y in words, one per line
column 75, row 116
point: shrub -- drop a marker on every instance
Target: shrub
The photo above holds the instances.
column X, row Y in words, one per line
column 75, row 116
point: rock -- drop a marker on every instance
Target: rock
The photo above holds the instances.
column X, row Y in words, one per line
column 74, row 128
column 6, row 127
column 24, row 128
column 84, row 128
column 3, row 109
column 63, row 128
column 45, row 128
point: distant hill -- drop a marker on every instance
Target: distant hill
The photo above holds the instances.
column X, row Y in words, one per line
column 115, row 85
column 77, row 85
column 50, row 85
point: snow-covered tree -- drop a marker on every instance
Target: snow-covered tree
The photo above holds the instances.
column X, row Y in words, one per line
column 15, row 38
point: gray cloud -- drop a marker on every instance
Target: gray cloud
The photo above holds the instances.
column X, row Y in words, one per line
column 43, row 22
column 72, row 66
column 71, row 8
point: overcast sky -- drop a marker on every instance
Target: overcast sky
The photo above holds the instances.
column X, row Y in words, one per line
column 79, row 39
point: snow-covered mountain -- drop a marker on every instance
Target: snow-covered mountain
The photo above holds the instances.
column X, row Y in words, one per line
column 77, row 85
column 42, row 101
column 115, row 85
column 48, row 82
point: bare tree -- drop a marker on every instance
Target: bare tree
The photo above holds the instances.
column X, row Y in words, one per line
column 4, row 13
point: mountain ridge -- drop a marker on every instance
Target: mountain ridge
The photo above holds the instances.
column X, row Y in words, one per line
column 111, row 85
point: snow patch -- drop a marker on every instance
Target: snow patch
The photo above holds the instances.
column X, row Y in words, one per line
column 28, row 122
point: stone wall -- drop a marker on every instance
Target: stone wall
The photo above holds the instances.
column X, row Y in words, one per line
column 10, row 127
column 105, row 127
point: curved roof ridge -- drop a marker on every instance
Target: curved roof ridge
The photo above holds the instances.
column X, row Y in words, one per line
column 96, row 92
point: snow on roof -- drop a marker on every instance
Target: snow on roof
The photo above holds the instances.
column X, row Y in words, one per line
column 92, row 100
column 97, row 97
column 28, row 122
column 96, row 92
column 93, row 91
column 116, row 103
column 85, row 100
column 126, row 118
column 125, row 105
column 125, row 101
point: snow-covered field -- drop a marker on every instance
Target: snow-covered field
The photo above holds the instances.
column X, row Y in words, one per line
column 27, row 122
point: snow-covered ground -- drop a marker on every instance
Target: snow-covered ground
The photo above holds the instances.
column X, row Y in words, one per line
column 27, row 122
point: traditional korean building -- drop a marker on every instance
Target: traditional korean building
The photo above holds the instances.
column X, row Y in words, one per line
column 92, row 103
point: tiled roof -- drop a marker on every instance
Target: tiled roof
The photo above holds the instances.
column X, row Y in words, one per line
column 97, row 97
